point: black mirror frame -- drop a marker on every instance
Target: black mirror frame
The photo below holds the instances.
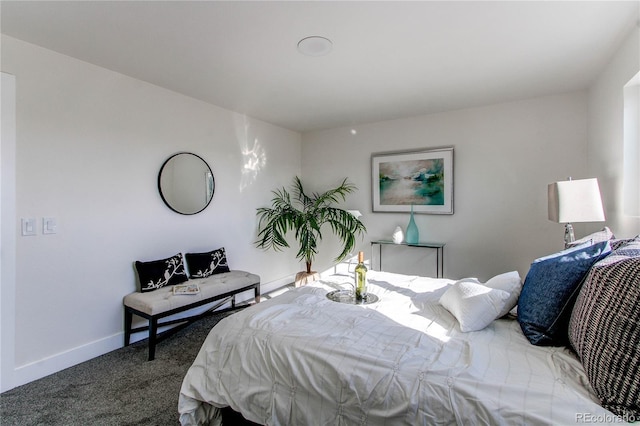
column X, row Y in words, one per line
column 160, row 183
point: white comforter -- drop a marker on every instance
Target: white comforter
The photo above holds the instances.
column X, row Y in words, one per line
column 301, row 359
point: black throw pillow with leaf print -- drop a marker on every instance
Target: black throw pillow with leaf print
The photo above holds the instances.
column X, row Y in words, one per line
column 160, row 273
column 202, row 265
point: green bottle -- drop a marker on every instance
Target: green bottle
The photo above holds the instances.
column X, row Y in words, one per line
column 361, row 279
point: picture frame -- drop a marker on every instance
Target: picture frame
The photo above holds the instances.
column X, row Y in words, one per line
column 422, row 179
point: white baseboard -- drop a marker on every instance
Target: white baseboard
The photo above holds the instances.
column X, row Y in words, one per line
column 38, row 369
column 52, row 364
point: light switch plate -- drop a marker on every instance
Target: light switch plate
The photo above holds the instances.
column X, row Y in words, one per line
column 49, row 225
column 28, row 226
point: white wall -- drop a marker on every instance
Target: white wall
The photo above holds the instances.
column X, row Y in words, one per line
column 7, row 229
column 90, row 143
column 606, row 138
column 505, row 155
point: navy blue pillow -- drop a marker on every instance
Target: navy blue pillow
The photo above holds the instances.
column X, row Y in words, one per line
column 550, row 291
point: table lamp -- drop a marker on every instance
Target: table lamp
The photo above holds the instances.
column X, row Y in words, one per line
column 572, row 201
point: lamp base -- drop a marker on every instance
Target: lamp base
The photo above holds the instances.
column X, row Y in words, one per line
column 569, row 237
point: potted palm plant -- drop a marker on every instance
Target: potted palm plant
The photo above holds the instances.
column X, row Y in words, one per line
column 305, row 215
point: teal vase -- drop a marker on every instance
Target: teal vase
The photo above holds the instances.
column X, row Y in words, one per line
column 412, row 236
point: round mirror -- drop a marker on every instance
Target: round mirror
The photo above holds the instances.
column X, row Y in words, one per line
column 186, row 183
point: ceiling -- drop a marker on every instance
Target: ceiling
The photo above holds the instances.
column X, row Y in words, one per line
column 390, row 59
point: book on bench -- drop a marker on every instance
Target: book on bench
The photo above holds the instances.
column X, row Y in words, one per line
column 186, row 289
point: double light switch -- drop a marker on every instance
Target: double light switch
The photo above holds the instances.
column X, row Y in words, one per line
column 29, row 227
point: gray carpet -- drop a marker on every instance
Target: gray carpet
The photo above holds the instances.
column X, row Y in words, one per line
column 118, row 388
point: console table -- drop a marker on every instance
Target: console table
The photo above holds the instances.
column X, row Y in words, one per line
column 438, row 247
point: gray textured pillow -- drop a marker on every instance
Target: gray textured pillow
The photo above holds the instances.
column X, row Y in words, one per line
column 605, row 333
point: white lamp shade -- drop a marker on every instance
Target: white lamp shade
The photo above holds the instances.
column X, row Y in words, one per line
column 573, row 201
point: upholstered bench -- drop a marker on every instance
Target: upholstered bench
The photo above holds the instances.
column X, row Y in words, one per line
column 161, row 303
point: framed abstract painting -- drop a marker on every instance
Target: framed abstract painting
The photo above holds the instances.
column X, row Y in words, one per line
column 422, row 179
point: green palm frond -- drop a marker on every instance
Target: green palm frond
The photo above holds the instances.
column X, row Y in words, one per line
column 305, row 215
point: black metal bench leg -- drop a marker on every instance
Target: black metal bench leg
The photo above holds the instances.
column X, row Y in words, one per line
column 154, row 338
column 128, row 318
column 153, row 330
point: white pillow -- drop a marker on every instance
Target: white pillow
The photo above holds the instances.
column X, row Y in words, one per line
column 474, row 305
column 512, row 284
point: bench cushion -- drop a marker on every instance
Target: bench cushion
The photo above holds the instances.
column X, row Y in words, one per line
column 163, row 299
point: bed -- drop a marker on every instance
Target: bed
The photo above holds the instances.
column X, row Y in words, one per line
column 303, row 359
